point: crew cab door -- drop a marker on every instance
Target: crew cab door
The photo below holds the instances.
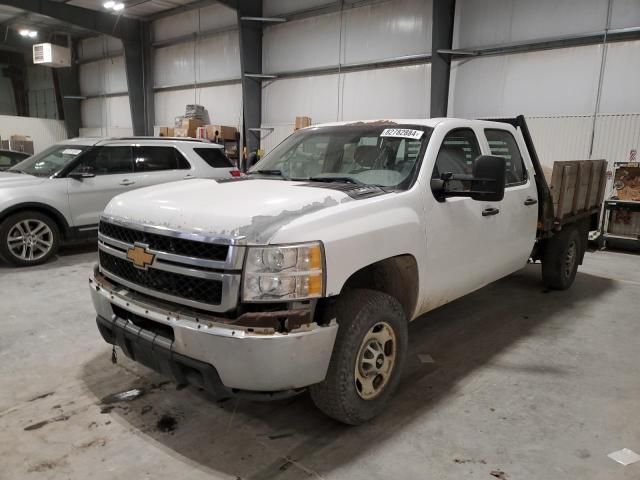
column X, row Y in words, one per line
column 156, row 164
column 515, row 231
column 471, row 243
column 112, row 166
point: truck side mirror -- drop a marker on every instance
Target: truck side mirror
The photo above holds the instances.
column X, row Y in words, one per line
column 486, row 183
column 488, row 179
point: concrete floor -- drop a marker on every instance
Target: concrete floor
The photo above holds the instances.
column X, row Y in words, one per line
column 535, row 384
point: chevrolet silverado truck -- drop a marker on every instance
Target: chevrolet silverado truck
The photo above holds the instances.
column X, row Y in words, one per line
column 304, row 273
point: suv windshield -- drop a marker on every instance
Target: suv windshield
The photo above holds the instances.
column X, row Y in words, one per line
column 49, row 161
column 366, row 154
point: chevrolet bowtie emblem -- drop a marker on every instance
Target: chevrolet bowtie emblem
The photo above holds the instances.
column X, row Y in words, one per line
column 140, row 257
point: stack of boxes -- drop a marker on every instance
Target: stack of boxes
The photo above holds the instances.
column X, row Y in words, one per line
column 18, row 143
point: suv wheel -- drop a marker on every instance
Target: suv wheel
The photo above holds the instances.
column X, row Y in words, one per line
column 28, row 238
column 367, row 357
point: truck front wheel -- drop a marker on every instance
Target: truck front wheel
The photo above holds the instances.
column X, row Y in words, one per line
column 368, row 357
column 561, row 258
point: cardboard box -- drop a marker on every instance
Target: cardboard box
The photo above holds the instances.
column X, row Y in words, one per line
column 191, row 123
column 25, row 146
column 201, row 132
column 165, row 132
column 220, row 132
column 184, row 132
column 302, row 122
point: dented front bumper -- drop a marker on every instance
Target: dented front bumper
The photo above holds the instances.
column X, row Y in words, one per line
column 245, row 358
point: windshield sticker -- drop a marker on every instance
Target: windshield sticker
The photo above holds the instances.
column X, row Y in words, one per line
column 402, row 133
column 71, row 151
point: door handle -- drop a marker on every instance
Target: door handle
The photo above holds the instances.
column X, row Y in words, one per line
column 530, row 201
column 127, row 182
column 188, row 176
column 490, row 211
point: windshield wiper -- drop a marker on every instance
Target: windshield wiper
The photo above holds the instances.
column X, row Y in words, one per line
column 336, row 178
column 277, row 173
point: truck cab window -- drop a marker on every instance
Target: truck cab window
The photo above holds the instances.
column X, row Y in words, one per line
column 458, row 151
column 502, row 144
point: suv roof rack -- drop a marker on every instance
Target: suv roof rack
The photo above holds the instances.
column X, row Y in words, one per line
column 178, row 139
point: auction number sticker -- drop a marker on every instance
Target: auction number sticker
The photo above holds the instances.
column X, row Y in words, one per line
column 402, row 133
column 71, row 151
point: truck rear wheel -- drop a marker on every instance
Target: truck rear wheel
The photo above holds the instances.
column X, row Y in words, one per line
column 562, row 255
column 367, row 360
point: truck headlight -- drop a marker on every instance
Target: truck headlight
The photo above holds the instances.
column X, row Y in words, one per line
column 291, row 272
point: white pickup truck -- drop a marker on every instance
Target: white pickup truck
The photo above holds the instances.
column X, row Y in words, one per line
column 305, row 272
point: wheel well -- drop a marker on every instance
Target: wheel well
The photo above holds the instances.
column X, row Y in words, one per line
column 57, row 217
column 395, row 276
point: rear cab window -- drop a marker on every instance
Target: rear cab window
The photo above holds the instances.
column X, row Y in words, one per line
column 214, row 157
column 503, row 144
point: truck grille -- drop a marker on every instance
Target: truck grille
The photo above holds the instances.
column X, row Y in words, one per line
column 177, row 285
column 164, row 243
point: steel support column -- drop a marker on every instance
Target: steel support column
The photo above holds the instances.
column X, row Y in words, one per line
column 251, row 63
column 442, row 39
column 137, row 57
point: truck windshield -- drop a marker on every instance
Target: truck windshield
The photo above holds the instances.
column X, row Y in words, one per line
column 379, row 154
column 49, row 161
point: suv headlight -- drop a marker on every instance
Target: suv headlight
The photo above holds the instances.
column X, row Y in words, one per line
column 288, row 272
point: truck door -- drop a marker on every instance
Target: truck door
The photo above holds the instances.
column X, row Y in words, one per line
column 461, row 254
column 515, row 231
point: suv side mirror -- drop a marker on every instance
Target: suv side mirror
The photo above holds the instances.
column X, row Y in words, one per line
column 487, row 181
column 80, row 174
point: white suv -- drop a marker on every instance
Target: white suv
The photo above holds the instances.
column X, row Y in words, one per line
column 58, row 195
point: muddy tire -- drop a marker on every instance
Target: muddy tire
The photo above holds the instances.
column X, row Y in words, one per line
column 367, row 360
column 562, row 255
column 28, row 238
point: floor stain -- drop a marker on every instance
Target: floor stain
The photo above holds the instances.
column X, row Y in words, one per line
column 167, row 424
column 40, row 397
column 498, row 474
column 36, row 426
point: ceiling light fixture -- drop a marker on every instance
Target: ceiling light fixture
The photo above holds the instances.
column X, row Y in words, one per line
column 112, row 5
column 24, row 32
column 118, row 6
column 108, row 5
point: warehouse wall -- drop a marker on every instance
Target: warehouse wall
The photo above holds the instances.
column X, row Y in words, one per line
column 214, row 57
column 41, row 95
column 43, row 132
column 204, row 70
column 551, row 82
column 7, row 100
column 363, row 32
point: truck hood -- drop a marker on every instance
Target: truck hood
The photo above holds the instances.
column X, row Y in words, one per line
column 8, row 180
column 254, row 208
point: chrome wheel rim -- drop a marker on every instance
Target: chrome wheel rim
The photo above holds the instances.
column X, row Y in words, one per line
column 30, row 239
column 375, row 361
column 570, row 259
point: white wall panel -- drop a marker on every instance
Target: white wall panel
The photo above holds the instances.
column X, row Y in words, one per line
column 281, row 7
column 216, row 58
column 106, row 112
column 554, row 82
column 209, row 18
column 43, row 132
column 96, row 47
column 386, row 30
column 301, row 44
column 487, row 22
column 620, row 86
column 315, row 97
column 223, row 103
column 103, row 76
column 270, row 139
column 401, row 92
column 625, row 13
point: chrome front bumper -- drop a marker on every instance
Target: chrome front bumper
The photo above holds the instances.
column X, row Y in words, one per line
column 244, row 359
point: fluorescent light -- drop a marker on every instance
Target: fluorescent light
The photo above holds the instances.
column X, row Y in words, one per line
column 118, row 6
column 109, row 5
column 24, row 32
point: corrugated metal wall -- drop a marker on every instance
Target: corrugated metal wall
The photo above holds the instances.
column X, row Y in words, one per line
column 44, row 132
